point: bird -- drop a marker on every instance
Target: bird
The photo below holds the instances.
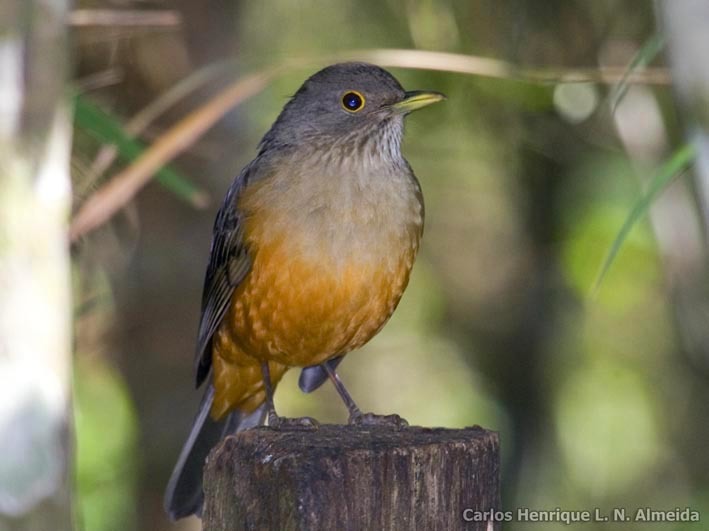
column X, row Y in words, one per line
column 311, row 251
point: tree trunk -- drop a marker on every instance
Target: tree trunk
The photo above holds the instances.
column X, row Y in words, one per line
column 35, row 310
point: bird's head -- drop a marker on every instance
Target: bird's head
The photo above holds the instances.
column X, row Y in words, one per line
column 346, row 102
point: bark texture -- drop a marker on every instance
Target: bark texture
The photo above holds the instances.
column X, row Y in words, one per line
column 352, row 478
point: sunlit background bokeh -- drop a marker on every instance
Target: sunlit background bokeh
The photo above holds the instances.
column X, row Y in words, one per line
column 600, row 399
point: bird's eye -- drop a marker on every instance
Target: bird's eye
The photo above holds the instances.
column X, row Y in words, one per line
column 352, row 101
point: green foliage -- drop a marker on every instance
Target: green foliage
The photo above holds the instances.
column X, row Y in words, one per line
column 106, row 431
column 108, row 129
column 680, row 161
column 606, row 392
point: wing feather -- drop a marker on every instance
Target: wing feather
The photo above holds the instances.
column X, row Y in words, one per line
column 229, row 263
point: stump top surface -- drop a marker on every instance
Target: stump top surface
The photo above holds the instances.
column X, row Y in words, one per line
column 340, row 438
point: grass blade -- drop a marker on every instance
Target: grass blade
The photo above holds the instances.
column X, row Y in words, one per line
column 679, row 162
column 642, row 58
column 108, row 129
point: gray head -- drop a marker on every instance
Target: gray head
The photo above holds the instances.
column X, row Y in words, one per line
column 345, row 101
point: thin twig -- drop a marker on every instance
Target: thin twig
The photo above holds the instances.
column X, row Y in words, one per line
column 136, row 125
column 487, row 67
column 124, row 17
column 97, row 80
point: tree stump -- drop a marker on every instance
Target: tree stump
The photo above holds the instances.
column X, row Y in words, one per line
column 352, row 478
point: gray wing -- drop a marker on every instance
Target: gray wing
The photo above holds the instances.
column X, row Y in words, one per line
column 229, row 263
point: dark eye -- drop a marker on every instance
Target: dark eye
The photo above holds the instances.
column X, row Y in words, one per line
column 352, row 101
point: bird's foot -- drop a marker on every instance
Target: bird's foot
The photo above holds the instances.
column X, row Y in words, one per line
column 371, row 419
column 292, row 423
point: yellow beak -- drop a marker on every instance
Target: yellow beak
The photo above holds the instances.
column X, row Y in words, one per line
column 417, row 99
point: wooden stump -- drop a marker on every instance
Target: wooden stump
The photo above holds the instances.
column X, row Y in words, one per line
column 352, row 478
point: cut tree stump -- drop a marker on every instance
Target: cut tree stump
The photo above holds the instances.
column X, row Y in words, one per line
column 352, row 478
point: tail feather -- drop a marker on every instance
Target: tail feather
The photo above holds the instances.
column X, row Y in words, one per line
column 184, row 495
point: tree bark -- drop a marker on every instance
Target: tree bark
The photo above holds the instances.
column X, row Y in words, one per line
column 352, row 478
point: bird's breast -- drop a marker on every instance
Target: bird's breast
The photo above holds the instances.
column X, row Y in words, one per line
column 331, row 258
column 338, row 215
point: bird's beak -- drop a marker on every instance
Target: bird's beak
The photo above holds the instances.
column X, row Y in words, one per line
column 417, row 99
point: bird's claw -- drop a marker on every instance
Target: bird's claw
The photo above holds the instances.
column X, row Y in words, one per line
column 371, row 419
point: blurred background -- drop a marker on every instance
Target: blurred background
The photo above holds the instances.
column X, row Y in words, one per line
column 600, row 397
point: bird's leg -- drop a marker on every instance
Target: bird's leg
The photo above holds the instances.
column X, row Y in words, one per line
column 276, row 421
column 356, row 416
column 355, row 412
column 266, row 373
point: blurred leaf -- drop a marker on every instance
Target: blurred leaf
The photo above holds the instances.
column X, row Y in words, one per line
column 106, row 438
column 108, row 129
column 679, row 162
column 608, row 434
column 642, row 58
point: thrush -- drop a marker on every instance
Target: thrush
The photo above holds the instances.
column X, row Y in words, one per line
column 311, row 252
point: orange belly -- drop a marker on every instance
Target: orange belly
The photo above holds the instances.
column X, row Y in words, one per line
column 298, row 312
column 327, row 271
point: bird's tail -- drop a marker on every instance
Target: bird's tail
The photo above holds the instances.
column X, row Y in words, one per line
column 184, row 494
